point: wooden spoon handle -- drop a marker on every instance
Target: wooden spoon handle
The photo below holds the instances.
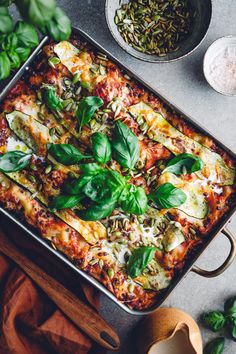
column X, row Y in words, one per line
column 79, row 313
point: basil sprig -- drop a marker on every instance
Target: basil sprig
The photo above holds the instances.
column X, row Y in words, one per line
column 139, row 260
column 216, row 346
column 97, row 211
column 125, row 146
column 52, row 100
column 37, row 12
column 26, row 35
column 135, row 201
column 66, row 154
column 6, row 22
column 14, row 161
column 101, row 147
column 230, row 312
column 59, row 26
column 5, row 66
column 168, row 196
column 86, row 109
column 215, row 320
column 184, row 163
column 65, row 201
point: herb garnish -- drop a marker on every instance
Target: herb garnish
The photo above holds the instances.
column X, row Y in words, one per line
column 139, row 260
column 65, row 201
column 184, row 163
column 216, row 346
column 52, row 100
column 168, row 196
column 101, row 147
column 125, row 145
column 66, row 154
column 86, row 109
column 14, row 161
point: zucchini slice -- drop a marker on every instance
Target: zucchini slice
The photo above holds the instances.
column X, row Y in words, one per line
column 34, row 134
column 173, row 237
column 195, row 205
column 163, row 132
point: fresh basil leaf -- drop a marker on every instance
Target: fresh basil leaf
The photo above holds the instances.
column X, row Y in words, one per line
column 96, row 211
column 23, row 53
column 86, row 109
column 5, row 66
column 215, row 347
column 168, row 196
column 10, row 42
column 6, row 3
column 6, row 22
column 37, row 12
column 14, row 161
column 215, row 320
column 184, row 163
column 52, row 100
column 102, row 188
column 76, row 186
column 135, row 201
column 231, row 325
column 230, row 306
column 125, row 146
column 14, row 59
column 91, row 168
column 66, row 154
column 101, row 147
column 65, row 202
column 26, row 34
column 139, row 260
column 59, row 26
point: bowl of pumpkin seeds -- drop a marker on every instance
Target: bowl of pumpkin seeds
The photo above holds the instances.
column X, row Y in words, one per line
column 158, row 30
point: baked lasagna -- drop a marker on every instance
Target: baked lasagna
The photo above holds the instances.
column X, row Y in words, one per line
column 107, row 173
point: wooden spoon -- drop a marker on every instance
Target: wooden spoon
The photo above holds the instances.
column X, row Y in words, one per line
column 79, row 313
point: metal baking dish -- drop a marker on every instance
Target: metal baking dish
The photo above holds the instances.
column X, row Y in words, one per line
column 190, row 263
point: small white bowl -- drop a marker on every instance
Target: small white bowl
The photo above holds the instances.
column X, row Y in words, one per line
column 212, row 52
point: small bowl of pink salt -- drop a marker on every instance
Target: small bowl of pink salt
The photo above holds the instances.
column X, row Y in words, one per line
column 219, row 65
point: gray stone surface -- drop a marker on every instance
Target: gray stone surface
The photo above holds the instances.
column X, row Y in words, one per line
column 182, row 82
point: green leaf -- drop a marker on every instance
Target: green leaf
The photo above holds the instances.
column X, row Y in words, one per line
column 96, row 211
column 101, row 147
column 231, row 326
column 91, row 168
column 103, row 187
column 215, row 320
column 6, row 22
column 215, row 347
column 23, row 53
column 37, row 12
column 139, row 260
column 14, row 59
column 10, row 42
column 14, row 161
column 86, row 109
column 184, row 163
column 168, row 196
column 6, row 2
column 52, row 100
column 230, row 306
column 76, row 186
column 135, row 201
column 66, row 154
column 65, row 202
column 59, row 27
column 125, row 146
column 5, row 66
column 26, row 34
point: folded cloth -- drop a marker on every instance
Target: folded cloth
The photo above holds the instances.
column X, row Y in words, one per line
column 29, row 322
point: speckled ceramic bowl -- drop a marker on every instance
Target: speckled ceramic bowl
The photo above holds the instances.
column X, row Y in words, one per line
column 200, row 27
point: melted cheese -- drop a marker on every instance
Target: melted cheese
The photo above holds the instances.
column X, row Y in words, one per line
column 177, row 142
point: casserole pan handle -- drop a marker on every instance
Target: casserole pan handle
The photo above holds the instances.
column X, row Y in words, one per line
column 227, row 262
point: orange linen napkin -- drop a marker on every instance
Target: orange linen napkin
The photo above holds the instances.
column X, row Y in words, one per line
column 29, row 322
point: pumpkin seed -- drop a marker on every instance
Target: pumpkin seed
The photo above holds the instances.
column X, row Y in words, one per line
column 53, row 61
column 48, row 169
column 110, row 272
column 76, row 78
column 154, row 27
